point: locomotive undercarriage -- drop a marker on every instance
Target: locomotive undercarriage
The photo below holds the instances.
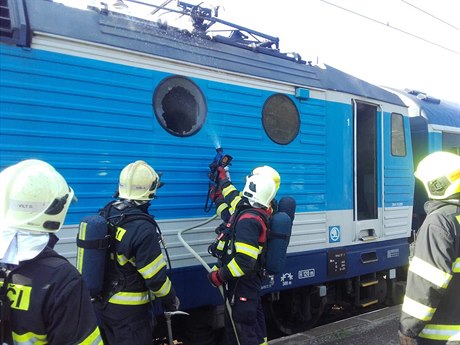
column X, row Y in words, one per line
column 299, row 309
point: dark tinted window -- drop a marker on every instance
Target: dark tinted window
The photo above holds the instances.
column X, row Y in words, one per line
column 398, row 140
column 451, row 142
column 280, row 119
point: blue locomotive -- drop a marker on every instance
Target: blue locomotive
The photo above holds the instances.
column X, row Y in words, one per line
column 90, row 90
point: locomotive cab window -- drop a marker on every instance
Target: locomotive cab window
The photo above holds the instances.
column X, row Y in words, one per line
column 451, row 142
column 280, row 119
column 398, row 140
column 179, row 106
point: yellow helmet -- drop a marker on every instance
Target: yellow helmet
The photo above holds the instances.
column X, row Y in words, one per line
column 440, row 174
column 33, row 197
column 138, row 181
column 269, row 171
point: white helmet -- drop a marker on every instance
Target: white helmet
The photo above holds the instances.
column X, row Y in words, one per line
column 138, row 181
column 33, row 197
column 440, row 174
column 269, row 171
column 259, row 190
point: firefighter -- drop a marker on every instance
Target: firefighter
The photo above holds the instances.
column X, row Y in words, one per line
column 137, row 269
column 431, row 307
column 44, row 299
column 239, row 268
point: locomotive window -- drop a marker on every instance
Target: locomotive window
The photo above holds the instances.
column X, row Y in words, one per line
column 179, row 106
column 398, row 140
column 451, row 142
column 280, row 119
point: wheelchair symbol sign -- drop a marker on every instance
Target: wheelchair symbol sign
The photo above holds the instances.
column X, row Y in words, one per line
column 334, row 234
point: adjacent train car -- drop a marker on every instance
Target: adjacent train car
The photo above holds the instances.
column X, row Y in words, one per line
column 91, row 90
column 435, row 126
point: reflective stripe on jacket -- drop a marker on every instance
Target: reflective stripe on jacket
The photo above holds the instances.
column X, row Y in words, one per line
column 431, row 307
column 229, row 202
column 140, row 269
column 249, row 238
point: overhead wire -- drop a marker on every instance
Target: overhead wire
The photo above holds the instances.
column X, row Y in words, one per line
column 392, row 27
column 431, row 15
column 162, row 6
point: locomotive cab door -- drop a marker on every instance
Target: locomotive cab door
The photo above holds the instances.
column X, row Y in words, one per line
column 365, row 175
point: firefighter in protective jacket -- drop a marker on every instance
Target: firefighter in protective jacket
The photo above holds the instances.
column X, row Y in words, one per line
column 137, row 269
column 239, row 268
column 431, row 308
column 44, row 299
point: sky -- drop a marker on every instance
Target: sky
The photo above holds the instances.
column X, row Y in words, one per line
column 402, row 44
column 364, row 47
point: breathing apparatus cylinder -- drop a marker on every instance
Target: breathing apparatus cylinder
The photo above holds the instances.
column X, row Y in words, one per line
column 92, row 252
column 278, row 241
column 279, row 235
column 287, row 205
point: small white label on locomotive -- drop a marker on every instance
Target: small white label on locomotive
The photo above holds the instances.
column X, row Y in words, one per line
column 309, row 273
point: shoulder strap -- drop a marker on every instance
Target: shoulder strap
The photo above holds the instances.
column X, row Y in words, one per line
column 252, row 213
column 104, row 212
column 125, row 217
column 263, row 220
column 130, row 217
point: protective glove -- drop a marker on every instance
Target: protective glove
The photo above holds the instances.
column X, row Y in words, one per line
column 215, row 193
column 215, row 279
column 405, row 340
column 221, row 173
column 172, row 304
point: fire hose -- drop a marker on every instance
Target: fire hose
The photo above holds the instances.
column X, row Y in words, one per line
column 206, row 266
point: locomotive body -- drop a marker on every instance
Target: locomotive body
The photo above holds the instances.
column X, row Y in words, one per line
column 92, row 90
